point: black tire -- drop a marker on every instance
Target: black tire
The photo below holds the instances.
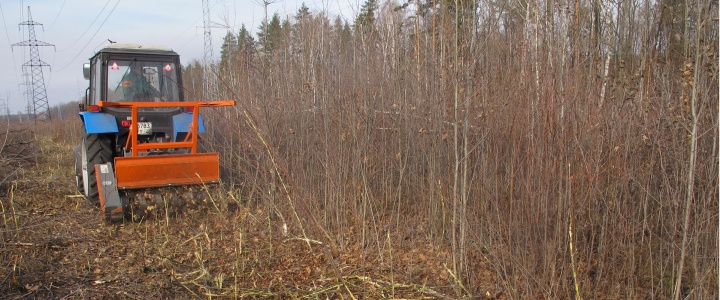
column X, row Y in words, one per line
column 98, row 150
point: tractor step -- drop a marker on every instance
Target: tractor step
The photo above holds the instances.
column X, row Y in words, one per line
column 111, row 203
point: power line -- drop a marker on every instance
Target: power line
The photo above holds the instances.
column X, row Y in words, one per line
column 7, row 34
column 186, row 29
column 89, row 26
column 58, row 15
column 93, row 36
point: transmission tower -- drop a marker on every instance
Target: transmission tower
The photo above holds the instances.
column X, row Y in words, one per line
column 27, row 82
column 210, row 86
column 41, row 109
column 4, row 108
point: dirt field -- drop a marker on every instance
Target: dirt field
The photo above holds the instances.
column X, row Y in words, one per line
column 54, row 245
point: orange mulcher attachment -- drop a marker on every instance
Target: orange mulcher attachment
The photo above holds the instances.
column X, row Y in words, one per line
column 137, row 171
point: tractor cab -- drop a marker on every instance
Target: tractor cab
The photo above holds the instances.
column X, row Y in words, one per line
column 124, row 73
column 134, row 73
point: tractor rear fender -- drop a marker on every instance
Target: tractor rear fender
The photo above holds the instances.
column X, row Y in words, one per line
column 181, row 123
column 96, row 122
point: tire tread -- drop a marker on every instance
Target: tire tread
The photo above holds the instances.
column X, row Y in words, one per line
column 99, row 151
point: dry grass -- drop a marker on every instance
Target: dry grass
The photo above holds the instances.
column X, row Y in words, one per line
column 17, row 148
column 55, row 246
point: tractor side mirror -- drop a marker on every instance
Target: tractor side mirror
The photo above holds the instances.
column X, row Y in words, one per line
column 86, row 71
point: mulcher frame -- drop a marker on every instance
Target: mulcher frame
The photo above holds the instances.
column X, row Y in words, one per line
column 144, row 171
column 140, row 170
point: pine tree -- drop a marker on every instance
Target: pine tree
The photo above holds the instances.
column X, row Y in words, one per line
column 270, row 35
column 303, row 15
column 246, row 43
column 366, row 19
column 228, row 50
column 246, row 47
column 342, row 29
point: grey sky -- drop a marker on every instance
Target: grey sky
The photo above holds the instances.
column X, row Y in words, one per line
column 78, row 28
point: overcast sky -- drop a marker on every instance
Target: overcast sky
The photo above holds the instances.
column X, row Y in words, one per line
column 79, row 28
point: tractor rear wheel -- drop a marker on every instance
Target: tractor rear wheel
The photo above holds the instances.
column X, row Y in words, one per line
column 95, row 149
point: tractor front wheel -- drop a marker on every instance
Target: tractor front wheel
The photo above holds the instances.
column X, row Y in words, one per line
column 95, row 149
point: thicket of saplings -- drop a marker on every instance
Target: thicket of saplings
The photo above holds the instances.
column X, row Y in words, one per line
column 570, row 147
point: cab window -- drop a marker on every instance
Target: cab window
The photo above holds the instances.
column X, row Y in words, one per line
column 142, row 81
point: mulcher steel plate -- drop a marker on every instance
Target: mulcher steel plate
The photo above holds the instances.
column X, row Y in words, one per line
column 165, row 170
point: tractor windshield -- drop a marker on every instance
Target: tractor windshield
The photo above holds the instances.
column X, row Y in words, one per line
column 141, row 81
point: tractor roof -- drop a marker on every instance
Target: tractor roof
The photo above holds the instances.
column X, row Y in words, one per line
column 137, row 49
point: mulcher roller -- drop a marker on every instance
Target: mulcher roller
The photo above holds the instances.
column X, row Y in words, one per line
column 147, row 203
column 174, row 201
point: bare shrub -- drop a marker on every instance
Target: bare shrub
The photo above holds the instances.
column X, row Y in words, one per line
column 492, row 129
column 16, row 150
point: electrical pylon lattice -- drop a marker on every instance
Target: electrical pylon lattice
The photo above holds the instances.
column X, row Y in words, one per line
column 210, row 86
column 29, row 109
column 38, row 96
